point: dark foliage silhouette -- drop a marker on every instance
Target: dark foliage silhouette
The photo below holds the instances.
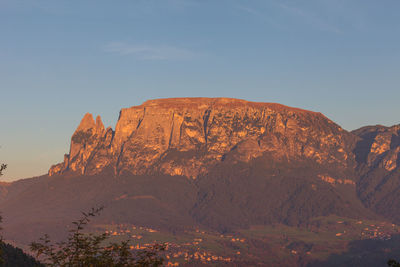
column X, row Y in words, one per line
column 88, row 249
column 2, row 168
column 393, row 263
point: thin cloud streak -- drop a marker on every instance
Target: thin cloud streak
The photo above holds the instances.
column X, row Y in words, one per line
column 259, row 16
column 312, row 19
column 248, row 10
column 149, row 52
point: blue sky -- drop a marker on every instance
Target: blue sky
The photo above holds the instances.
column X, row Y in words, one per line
column 61, row 59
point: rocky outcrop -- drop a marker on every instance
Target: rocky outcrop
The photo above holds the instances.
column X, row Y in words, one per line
column 88, row 138
column 187, row 136
column 379, row 147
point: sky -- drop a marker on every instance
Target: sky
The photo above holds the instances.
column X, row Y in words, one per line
column 61, row 59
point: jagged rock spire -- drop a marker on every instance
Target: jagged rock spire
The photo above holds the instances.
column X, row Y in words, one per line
column 86, row 123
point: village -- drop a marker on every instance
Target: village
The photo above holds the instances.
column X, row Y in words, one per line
column 175, row 253
column 195, row 246
column 367, row 230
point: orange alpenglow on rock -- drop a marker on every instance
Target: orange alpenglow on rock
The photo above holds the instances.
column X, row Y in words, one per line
column 383, row 144
column 187, row 136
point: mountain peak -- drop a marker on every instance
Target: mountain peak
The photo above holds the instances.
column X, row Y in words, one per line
column 99, row 125
column 86, row 123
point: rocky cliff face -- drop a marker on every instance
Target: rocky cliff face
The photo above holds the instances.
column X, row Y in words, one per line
column 379, row 146
column 186, row 136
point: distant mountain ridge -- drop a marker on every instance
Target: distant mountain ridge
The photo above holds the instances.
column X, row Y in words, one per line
column 217, row 163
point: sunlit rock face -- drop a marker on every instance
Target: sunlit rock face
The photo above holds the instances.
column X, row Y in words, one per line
column 88, row 139
column 187, row 136
column 380, row 146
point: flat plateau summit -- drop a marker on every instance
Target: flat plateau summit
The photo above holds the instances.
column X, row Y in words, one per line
column 187, row 136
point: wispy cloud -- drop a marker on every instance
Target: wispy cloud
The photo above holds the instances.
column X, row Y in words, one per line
column 309, row 17
column 248, row 10
column 149, row 52
column 259, row 14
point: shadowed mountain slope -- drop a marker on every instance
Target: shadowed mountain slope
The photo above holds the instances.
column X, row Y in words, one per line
column 378, row 157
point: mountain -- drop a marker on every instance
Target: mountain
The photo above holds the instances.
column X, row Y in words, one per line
column 238, row 156
column 187, row 136
column 211, row 163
